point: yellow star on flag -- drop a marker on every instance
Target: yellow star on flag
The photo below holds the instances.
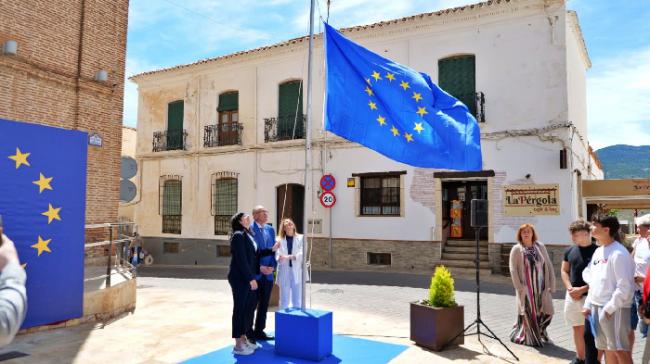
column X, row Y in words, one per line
column 369, row 91
column 422, row 111
column 368, row 81
column 418, row 128
column 52, row 213
column 390, row 77
column 43, row 183
column 372, row 105
column 381, row 120
column 20, row 158
column 376, row 75
column 417, row 96
column 409, row 137
column 394, row 131
column 404, row 85
column 42, row 246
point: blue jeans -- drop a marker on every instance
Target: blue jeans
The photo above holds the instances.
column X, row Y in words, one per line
column 636, row 303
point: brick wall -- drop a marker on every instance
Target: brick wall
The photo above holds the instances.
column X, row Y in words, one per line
column 351, row 254
column 40, row 84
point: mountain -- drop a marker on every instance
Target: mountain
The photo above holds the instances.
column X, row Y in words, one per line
column 625, row 161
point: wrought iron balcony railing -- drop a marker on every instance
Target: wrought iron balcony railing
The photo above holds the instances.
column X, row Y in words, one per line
column 218, row 135
column 286, row 127
column 169, row 140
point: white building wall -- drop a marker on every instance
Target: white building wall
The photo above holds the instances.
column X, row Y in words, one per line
column 521, row 66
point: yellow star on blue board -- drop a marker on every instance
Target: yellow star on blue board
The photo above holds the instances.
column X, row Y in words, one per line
column 376, row 75
column 43, row 183
column 52, row 213
column 390, row 77
column 418, row 128
column 394, row 131
column 409, row 137
column 20, row 158
column 372, row 105
column 404, row 85
column 381, row 120
column 422, row 111
column 417, row 96
column 42, row 245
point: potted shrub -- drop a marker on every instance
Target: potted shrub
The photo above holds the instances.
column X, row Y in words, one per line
column 436, row 320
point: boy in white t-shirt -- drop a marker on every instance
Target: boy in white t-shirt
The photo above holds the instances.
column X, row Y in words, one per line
column 611, row 289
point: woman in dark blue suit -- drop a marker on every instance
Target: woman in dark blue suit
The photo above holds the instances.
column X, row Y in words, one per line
column 241, row 277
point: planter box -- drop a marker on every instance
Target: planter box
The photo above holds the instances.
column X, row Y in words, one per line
column 433, row 327
column 275, row 296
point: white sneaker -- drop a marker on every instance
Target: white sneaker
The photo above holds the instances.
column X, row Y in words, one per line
column 253, row 346
column 246, row 350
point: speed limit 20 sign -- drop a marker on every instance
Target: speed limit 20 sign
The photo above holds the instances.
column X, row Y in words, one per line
column 327, row 199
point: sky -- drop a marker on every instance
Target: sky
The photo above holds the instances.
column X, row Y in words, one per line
column 165, row 33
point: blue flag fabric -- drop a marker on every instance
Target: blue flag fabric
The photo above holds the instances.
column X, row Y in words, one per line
column 395, row 110
column 42, row 202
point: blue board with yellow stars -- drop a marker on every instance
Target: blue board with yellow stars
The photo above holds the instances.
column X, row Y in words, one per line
column 42, row 202
column 395, row 110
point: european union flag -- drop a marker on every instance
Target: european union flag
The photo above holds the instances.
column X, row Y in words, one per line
column 395, row 110
column 42, row 202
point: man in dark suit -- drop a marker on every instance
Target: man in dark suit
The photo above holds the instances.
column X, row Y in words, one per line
column 265, row 239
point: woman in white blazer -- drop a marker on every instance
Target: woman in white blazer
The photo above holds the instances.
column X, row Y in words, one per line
column 289, row 258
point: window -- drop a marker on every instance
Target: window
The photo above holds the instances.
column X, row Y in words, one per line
column 223, row 251
column 379, row 258
column 456, row 75
column 171, row 248
column 175, row 125
column 290, row 111
column 172, row 206
column 224, row 201
column 228, row 123
column 380, row 195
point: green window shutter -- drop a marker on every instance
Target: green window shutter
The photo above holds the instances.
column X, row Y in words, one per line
column 457, row 76
column 228, row 101
column 175, row 115
column 172, row 198
column 225, row 196
column 290, row 101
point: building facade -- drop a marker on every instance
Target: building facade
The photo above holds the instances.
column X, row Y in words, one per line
column 224, row 134
column 62, row 65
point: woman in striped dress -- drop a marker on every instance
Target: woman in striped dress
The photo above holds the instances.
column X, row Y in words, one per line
column 533, row 277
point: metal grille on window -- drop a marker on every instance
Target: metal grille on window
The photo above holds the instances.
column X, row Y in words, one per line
column 380, row 195
column 171, row 206
column 224, row 203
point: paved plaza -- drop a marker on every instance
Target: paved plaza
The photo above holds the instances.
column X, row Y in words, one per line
column 185, row 312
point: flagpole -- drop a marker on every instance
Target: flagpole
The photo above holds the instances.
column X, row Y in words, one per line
column 308, row 187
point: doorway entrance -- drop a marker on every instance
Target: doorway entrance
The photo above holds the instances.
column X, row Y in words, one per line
column 456, row 207
column 290, row 202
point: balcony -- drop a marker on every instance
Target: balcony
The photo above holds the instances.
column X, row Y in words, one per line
column 284, row 128
column 169, row 140
column 219, row 135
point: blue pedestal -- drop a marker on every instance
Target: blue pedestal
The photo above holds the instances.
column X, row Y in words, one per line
column 303, row 334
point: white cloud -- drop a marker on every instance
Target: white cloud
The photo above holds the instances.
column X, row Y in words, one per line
column 618, row 90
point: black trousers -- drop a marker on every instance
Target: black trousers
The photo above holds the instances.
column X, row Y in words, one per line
column 591, row 353
column 264, row 288
column 243, row 297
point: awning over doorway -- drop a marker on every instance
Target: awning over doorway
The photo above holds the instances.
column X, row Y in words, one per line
column 618, row 193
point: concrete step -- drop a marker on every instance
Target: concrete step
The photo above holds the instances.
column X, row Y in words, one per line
column 464, row 249
column 466, row 243
column 463, row 263
column 464, row 256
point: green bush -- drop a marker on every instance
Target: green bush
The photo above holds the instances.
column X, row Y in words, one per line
column 441, row 292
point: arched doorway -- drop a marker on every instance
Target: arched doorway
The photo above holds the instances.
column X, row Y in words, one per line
column 290, row 202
